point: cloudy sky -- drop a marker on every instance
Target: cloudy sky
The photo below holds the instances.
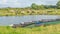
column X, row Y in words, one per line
column 25, row 3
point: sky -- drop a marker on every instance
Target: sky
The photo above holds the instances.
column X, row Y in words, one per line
column 25, row 3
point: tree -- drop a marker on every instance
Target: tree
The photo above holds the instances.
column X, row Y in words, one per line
column 50, row 6
column 41, row 7
column 37, row 7
column 58, row 4
column 34, row 6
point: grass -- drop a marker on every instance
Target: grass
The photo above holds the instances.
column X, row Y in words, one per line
column 19, row 12
column 51, row 29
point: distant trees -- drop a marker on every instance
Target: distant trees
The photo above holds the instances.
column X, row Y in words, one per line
column 37, row 7
column 34, row 6
column 58, row 4
column 50, row 6
column 41, row 7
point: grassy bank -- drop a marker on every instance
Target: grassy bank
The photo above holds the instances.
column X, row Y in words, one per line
column 51, row 29
column 19, row 12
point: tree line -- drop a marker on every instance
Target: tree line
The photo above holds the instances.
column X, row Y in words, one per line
column 37, row 7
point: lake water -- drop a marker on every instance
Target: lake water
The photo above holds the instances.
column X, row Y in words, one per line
column 7, row 20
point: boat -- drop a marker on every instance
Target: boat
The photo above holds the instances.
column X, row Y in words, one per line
column 37, row 23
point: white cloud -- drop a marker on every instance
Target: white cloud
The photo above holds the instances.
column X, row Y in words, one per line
column 12, row 1
column 3, row 1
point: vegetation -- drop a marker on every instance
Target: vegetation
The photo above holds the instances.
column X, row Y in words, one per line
column 19, row 12
column 58, row 4
column 33, row 10
column 51, row 29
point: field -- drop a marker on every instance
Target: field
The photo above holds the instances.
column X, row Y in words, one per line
column 50, row 29
column 19, row 12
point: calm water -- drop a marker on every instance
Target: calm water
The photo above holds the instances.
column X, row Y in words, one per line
column 7, row 20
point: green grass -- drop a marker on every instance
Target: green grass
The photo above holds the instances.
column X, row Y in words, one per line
column 51, row 29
